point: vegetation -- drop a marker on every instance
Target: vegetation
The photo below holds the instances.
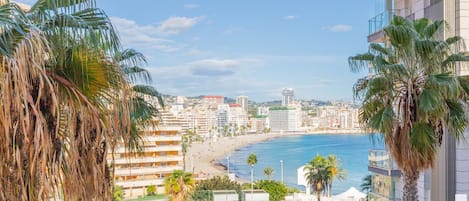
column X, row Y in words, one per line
column 335, row 171
column 321, row 171
column 151, row 190
column 252, row 160
column 414, row 96
column 366, row 185
column 179, row 185
column 277, row 191
column 66, row 100
column 268, row 172
column 202, row 189
column 118, row 194
column 187, row 139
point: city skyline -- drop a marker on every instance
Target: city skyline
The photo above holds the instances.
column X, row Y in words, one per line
column 250, row 48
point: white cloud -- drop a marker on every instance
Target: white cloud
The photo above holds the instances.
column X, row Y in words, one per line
column 152, row 36
column 176, row 25
column 191, row 6
column 290, row 17
column 338, row 28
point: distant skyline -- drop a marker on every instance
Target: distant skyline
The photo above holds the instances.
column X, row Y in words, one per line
column 253, row 48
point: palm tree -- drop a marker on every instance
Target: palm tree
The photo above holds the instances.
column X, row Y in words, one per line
column 366, row 184
column 268, row 171
column 252, row 160
column 335, row 171
column 179, row 185
column 414, row 96
column 187, row 139
column 62, row 100
column 142, row 111
column 318, row 174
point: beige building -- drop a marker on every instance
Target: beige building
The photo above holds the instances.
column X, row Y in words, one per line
column 160, row 156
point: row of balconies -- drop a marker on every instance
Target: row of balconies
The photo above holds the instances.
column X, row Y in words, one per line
column 156, row 148
column 140, row 183
column 381, row 162
column 146, row 170
column 147, row 159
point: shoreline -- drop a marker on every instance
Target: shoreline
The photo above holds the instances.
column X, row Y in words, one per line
column 202, row 158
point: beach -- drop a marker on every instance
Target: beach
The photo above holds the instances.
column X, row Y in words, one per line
column 202, row 157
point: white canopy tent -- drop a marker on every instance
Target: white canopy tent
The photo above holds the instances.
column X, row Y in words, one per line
column 352, row 194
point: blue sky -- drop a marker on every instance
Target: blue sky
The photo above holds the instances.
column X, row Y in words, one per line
column 242, row 47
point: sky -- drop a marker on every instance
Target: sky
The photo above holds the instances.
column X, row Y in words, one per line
column 245, row 47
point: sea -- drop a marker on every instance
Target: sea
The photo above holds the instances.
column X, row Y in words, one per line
column 296, row 151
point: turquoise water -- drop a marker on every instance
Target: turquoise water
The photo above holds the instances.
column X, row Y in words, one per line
column 295, row 151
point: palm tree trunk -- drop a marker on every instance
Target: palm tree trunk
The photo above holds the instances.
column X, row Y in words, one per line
column 252, row 181
column 410, row 185
column 319, row 195
column 330, row 189
column 184, row 161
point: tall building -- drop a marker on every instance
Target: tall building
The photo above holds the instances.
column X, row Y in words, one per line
column 243, row 101
column 288, row 97
column 283, row 119
column 160, row 156
column 450, row 174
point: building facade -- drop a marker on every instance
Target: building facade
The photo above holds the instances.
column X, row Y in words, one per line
column 283, row 119
column 243, row 102
column 288, row 97
column 160, row 156
column 450, row 174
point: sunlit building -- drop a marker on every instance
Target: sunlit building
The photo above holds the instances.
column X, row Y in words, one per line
column 243, row 102
column 160, row 155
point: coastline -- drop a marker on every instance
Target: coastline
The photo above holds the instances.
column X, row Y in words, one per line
column 201, row 158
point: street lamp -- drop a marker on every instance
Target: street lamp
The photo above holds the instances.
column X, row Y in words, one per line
column 281, row 171
column 228, row 165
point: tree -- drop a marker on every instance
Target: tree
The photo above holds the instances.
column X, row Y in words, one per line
column 268, row 171
column 118, row 194
column 215, row 183
column 252, row 160
column 179, row 185
column 142, row 111
column 318, row 174
column 335, row 171
column 63, row 101
column 414, row 97
column 187, row 139
column 277, row 191
column 151, row 190
column 366, row 185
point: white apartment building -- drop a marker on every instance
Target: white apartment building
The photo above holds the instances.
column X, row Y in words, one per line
column 243, row 102
column 288, row 97
column 284, row 119
column 160, row 156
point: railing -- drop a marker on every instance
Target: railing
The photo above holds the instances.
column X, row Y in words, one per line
column 146, row 170
column 381, row 159
column 378, row 22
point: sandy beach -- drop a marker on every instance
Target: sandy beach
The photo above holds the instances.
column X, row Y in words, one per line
column 201, row 157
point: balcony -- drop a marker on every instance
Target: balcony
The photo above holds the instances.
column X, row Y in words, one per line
column 377, row 24
column 146, row 170
column 141, row 183
column 155, row 148
column 148, row 159
column 162, row 138
column 380, row 162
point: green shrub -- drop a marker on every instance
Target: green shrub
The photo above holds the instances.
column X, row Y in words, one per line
column 277, row 191
column 118, row 194
column 151, row 190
